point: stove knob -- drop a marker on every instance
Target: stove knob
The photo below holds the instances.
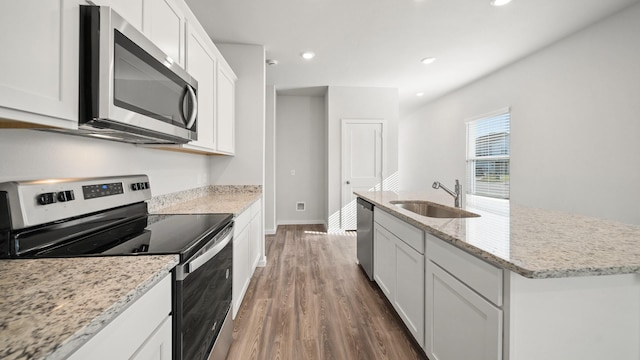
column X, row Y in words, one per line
column 64, row 196
column 46, row 198
column 134, row 186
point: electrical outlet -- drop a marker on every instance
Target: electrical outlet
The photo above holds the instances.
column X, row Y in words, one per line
column 300, row 206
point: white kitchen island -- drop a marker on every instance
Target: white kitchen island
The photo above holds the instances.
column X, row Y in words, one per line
column 520, row 283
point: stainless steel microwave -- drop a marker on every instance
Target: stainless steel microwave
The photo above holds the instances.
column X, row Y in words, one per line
column 130, row 90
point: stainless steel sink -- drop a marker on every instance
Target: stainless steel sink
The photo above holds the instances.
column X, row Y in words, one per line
column 429, row 209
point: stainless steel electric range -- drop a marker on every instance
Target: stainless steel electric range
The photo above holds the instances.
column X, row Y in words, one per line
column 108, row 216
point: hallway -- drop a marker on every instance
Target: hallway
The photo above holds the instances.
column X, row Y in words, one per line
column 312, row 301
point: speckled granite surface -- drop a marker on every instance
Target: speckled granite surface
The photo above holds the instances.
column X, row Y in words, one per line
column 532, row 242
column 51, row 307
column 233, row 199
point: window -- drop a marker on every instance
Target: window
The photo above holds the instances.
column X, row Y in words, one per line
column 488, row 155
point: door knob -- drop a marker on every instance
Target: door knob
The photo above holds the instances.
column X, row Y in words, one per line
column 348, row 182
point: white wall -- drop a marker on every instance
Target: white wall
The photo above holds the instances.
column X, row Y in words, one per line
column 247, row 166
column 575, row 130
column 357, row 103
column 31, row 154
column 270, row 161
column 300, row 147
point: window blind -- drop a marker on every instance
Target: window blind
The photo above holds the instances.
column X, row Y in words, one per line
column 488, row 151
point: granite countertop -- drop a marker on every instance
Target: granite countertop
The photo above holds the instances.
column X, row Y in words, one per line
column 208, row 200
column 51, row 307
column 534, row 243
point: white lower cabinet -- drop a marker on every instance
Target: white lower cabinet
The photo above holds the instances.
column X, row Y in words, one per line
column 409, row 301
column 158, row 346
column 241, row 277
column 142, row 331
column 461, row 321
column 384, row 271
column 399, row 271
column 256, row 235
column 247, row 249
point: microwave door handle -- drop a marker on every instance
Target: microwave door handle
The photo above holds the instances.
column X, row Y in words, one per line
column 194, row 107
column 208, row 255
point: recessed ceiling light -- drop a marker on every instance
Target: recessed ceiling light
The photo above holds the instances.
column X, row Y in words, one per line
column 500, row 2
column 420, row 94
column 428, row 60
column 308, row 55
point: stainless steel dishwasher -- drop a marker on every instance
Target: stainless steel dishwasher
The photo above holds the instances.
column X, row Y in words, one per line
column 365, row 236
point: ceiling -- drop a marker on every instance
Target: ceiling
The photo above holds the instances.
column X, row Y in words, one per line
column 379, row 43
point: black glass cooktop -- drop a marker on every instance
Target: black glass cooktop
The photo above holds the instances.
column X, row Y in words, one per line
column 122, row 235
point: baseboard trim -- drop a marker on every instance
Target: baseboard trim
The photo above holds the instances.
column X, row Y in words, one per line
column 300, row 222
column 262, row 262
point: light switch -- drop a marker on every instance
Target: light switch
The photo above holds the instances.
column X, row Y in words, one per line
column 293, row 172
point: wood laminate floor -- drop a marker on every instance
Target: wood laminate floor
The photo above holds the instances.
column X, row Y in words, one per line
column 312, row 301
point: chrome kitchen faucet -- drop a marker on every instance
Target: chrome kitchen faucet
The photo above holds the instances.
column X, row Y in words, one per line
column 456, row 194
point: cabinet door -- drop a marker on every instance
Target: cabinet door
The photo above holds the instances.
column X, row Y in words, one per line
column 158, row 345
column 131, row 10
column 240, row 268
column 128, row 333
column 201, row 64
column 409, row 299
column 460, row 324
column 164, row 25
column 255, row 232
column 39, row 65
column 226, row 97
column 384, row 258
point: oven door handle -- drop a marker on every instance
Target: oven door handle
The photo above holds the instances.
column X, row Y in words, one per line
column 194, row 264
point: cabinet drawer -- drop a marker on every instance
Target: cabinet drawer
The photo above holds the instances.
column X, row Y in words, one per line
column 410, row 234
column 479, row 275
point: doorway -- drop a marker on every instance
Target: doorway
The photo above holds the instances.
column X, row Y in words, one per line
column 362, row 163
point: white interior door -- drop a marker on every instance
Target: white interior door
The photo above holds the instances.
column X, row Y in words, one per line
column 362, row 163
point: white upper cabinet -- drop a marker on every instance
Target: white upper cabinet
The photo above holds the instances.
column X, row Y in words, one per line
column 130, row 10
column 201, row 64
column 39, row 66
column 164, row 24
column 226, row 100
column 39, row 80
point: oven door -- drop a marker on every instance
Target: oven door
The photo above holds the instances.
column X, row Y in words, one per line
column 203, row 299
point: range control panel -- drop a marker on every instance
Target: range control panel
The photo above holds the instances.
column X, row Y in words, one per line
column 100, row 190
column 37, row 202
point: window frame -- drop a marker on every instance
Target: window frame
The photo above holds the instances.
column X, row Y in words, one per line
column 471, row 185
